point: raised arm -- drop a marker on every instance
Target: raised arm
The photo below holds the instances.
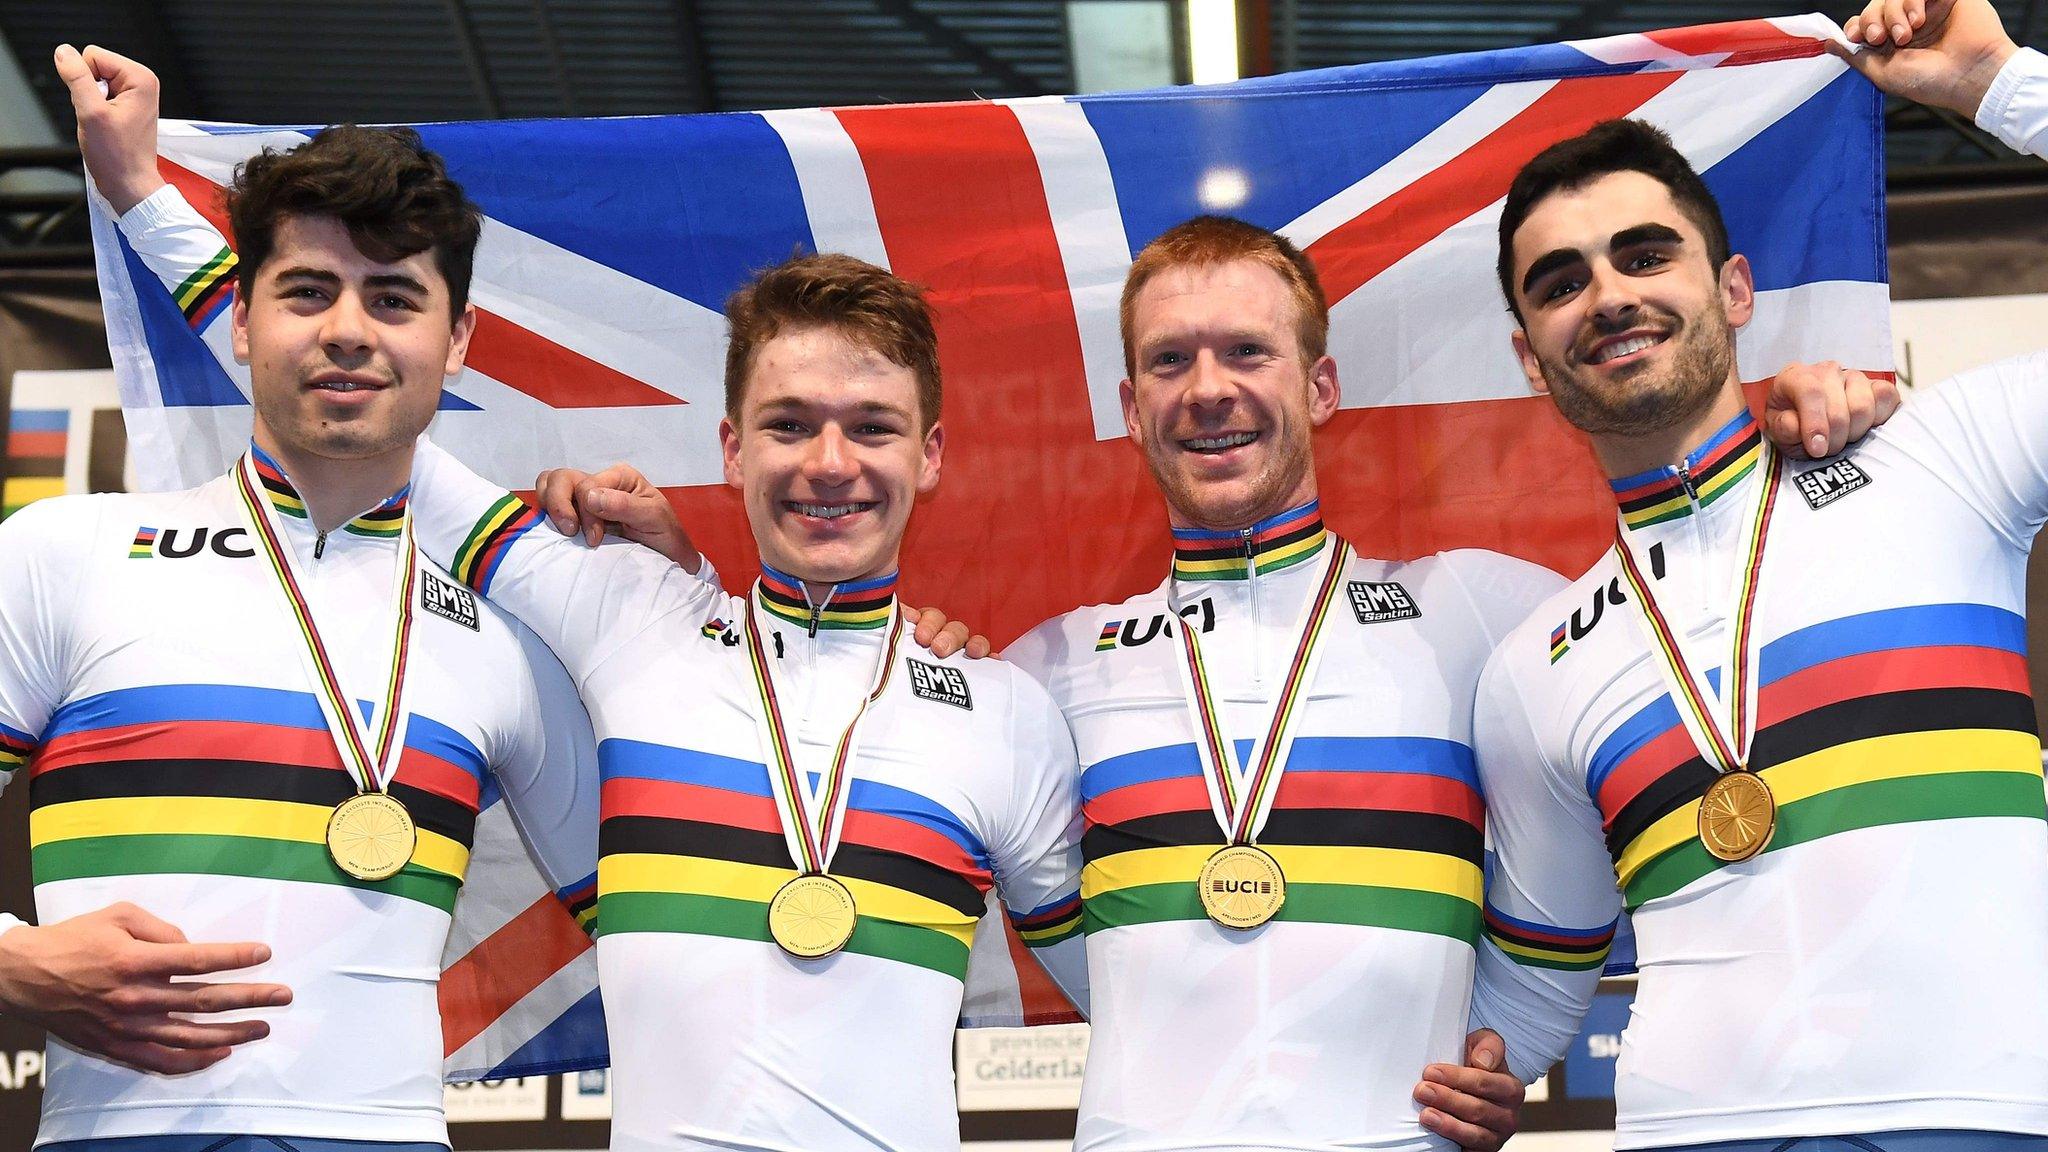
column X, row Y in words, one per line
column 1955, row 54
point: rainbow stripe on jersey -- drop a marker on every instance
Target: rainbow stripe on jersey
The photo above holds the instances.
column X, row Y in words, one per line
column 1274, row 543
column 859, row 604
column 476, row 562
column 691, row 842
column 202, row 294
column 383, row 521
column 1381, row 831
column 227, row 780
column 1659, row 494
column 1889, row 717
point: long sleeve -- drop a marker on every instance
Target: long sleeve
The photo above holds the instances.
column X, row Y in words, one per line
column 1551, row 903
column 1038, row 858
column 188, row 255
column 2016, row 108
column 584, row 602
column 551, row 786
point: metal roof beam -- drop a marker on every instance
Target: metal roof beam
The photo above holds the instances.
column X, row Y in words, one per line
column 942, row 35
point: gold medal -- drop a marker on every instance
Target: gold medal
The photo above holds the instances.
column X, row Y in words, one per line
column 811, row 916
column 1242, row 887
column 371, row 836
column 1737, row 816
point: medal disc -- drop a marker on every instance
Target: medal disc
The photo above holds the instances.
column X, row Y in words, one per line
column 371, row 836
column 1737, row 816
column 811, row 916
column 1242, row 887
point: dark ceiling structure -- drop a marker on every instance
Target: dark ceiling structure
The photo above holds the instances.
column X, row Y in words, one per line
column 297, row 61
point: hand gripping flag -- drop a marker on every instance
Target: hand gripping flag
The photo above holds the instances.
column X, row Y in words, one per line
column 610, row 246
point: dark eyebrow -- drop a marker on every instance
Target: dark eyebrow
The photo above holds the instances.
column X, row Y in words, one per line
column 1547, row 263
column 315, row 274
column 396, row 280
column 1644, row 234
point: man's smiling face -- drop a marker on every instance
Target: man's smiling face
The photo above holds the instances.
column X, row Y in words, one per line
column 1223, row 401
column 1625, row 321
column 829, row 454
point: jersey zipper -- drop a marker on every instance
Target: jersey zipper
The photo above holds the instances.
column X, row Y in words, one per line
column 319, row 545
column 1251, row 575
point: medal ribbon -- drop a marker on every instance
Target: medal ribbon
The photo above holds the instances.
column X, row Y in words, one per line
column 812, row 818
column 370, row 757
column 1243, row 802
column 1724, row 743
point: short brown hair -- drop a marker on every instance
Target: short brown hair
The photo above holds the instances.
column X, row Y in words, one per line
column 391, row 193
column 1210, row 240
column 869, row 305
column 1606, row 148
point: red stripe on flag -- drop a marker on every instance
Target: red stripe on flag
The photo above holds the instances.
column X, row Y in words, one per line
column 1043, row 1001
column 556, row 376
column 1745, row 42
column 1389, row 231
column 514, row 356
column 504, row 967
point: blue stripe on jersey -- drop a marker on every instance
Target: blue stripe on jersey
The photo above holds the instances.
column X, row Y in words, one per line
column 241, row 704
column 639, row 759
column 1494, row 911
column 1422, row 755
column 1885, row 630
column 13, row 736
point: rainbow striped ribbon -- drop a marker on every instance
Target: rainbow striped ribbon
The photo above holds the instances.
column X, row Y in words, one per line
column 372, row 758
column 1722, row 724
column 811, row 818
column 1243, row 801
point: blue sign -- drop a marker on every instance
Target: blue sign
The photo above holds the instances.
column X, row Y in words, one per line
column 1589, row 1062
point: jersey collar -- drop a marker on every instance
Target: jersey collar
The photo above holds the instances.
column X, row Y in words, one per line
column 1274, row 543
column 1674, row 491
column 853, row 605
column 381, row 522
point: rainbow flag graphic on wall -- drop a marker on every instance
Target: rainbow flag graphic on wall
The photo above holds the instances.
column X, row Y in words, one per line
column 36, row 440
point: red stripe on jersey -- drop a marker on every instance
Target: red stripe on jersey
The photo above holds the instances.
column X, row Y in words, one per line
column 1374, row 240
column 673, row 800
column 1645, row 767
column 1382, row 792
column 505, row 966
column 909, row 838
column 1897, row 670
column 241, row 740
column 1151, row 798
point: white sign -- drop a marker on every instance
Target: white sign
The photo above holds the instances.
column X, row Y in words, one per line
column 587, row 1095
column 1936, row 339
column 497, row 1100
column 1020, row 1069
column 22, row 1068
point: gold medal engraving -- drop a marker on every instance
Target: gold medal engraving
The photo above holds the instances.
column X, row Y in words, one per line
column 371, row 836
column 811, row 916
column 1242, row 887
column 1737, row 816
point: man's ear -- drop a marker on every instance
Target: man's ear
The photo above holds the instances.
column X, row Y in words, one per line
column 729, row 447
column 1738, row 290
column 238, row 325
column 1531, row 369
column 934, row 448
column 1127, row 393
column 1324, row 394
column 458, row 344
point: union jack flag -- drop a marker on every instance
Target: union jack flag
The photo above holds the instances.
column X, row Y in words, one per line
column 610, row 246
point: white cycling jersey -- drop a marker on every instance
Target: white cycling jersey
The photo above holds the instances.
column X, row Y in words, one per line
column 1879, row 966
column 962, row 780
column 155, row 702
column 1311, row 1031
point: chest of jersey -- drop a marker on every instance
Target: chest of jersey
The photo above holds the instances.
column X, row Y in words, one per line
column 190, row 741
column 1377, row 818
column 1892, row 677
column 693, row 840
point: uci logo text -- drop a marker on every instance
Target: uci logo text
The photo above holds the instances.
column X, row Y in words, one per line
column 1143, row 630
column 178, row 543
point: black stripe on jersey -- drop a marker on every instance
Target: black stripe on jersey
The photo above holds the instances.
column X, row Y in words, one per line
column 1317, row 827
column 666, row 837
column 1233, row 549
column 1828, row 726
column 1701, row 479
column 241, row 780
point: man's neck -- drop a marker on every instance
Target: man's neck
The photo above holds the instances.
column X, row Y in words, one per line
column 1183, row 519
column 1626, row 455
column 335, row 491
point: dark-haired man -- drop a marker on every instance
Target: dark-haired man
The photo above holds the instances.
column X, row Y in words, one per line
column 1790, row 717
column 235, row 714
